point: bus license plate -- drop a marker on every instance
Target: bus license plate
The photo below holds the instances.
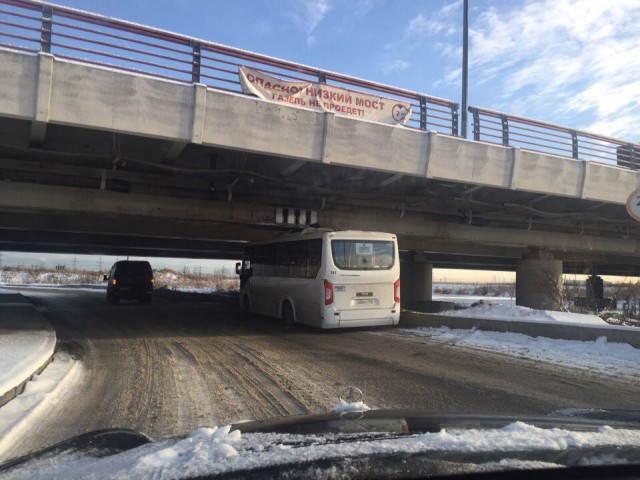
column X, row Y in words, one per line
column 364, row 301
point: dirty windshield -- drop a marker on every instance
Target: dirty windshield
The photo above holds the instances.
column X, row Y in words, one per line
column 319, row 238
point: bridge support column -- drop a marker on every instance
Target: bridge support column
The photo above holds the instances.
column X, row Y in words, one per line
column 595, row 292
column 539, row 281
column 416, row 280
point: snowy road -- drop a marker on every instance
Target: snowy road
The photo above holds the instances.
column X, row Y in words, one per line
column 170, row 367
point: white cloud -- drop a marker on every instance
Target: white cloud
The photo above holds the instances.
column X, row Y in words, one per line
column 563, row 57
column 308, row 15
column 419, row 32
column 395, row 66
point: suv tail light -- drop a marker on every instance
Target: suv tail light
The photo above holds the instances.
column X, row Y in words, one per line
column 396, row 291
column 328, row 293
column 114, row 281
column 151, row 279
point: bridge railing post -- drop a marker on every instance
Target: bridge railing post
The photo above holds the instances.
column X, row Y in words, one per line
column 505, row 129
column 423, row 112
column 196, row 62
column 633, row 156
column 454, row 119
column 476, row 123
column 574, row 144
column 47, row 22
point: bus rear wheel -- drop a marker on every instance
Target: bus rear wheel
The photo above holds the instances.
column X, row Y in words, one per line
column 288, row 318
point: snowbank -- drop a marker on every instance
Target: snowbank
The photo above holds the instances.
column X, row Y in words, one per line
column 27, row 342
column 44, row 391
column 492, row 311
column 22, row 353
column 598, row 356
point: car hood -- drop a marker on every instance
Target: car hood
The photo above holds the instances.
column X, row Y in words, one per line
column 367, row 444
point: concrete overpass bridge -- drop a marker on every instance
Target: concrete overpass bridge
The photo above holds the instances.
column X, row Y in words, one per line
column 121, row 139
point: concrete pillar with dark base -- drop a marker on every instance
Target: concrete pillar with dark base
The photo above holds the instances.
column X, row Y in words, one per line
column 415, row 281
column 539, row 281
column 595, row 293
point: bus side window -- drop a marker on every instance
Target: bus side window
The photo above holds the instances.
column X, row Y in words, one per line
column 263, row 262
column 314, row 257
column 298, row 259
column 282, row 260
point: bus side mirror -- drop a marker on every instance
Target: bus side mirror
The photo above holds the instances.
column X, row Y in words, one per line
column 105, row 278
column 238, row 268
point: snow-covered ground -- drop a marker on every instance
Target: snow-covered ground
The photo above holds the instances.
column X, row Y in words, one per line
column 215, row 451
column 26, row 343
column 506, row 312
column 42, row 392
column 22, row 352
column 466, row 300
column 92, row 280
column 21, row 277
column 618, row 359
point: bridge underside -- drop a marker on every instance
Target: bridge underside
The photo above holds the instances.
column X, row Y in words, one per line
column 90, row 191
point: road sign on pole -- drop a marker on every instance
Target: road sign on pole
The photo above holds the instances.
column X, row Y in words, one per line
column 633, row 204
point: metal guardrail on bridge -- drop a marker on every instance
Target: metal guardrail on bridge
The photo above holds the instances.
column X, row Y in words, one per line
column 511, row 130
column 33, row 26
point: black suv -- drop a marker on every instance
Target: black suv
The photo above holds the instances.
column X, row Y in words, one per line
column 130, row 279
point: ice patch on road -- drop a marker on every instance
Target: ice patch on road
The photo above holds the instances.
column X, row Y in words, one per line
column 599, row 355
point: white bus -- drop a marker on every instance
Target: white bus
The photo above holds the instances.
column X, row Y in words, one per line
column 326, row 279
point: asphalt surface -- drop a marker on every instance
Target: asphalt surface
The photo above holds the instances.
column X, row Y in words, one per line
column 172, row 366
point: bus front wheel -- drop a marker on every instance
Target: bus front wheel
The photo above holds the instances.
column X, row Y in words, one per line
column 287, row 316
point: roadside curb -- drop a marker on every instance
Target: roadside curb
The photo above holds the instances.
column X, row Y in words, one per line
column 23, row 409
column 561, row 331
column 18, row 314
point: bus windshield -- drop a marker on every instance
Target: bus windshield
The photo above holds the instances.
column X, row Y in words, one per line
column 363, row 254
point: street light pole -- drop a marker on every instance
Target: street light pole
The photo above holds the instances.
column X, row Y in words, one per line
column 465, row 66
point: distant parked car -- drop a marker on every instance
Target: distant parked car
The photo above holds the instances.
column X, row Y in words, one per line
column 130, row 279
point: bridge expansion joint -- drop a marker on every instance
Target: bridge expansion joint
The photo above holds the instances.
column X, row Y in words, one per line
column 432, row 144
column 327, row 136
column 199, row 112
column 514, row 160
column 583, row 182
column 44, row 81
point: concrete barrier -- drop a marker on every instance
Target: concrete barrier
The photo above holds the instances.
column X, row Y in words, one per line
column 562, row 331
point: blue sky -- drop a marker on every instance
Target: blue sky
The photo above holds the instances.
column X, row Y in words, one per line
column 571, row 62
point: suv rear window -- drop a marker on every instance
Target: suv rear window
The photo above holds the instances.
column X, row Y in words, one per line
column 134, row 268
column 363, row 254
